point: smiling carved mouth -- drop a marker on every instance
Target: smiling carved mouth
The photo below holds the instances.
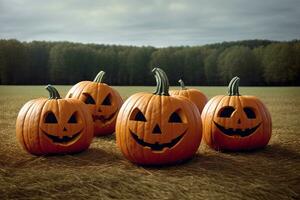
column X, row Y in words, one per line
column 102, row 118
column 64, row 139
column 157, row 146
column 240, row 132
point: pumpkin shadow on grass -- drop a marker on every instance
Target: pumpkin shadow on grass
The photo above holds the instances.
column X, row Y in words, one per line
column 196, row 161
column 277, row 152
column 236, row 165
column 89, row 157
column 93, row 157
column 274, row 151
column 110, row 137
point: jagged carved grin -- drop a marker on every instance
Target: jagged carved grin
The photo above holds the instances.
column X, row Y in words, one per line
column 240, row 132
column 157, row 146
column 62, row 139
column 104, row 119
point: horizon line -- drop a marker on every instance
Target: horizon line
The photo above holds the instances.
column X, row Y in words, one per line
column 145, row 45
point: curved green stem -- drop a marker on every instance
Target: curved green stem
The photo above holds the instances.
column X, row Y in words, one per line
column 182, row 84
column 233, row 87
column 162, row 82
column 53, row 93
column 99, row 77
column 230, row 85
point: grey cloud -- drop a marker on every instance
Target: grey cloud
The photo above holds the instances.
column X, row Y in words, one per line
column 158, row 23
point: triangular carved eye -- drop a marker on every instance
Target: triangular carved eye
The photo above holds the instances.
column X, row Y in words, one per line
column 175, row 118
column 107, row 100
column 89, row 99
column 140, row 117
column 73, row 118
column 50, row 118
column 226, row 111
column 250, row 113
column 137, row 115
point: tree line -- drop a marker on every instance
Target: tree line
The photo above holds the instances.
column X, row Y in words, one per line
column 256, row 62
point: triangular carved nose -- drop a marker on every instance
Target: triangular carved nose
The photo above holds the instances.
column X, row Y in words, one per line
column 239, row 121
column 65, row 129
column 99, row 110
column 156, row 130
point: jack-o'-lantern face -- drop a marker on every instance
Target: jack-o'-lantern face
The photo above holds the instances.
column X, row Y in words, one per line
column 64, row 129
column 102, row 105
column 162, row 133
column 158, row 128
column 236, row 122
column 54, row 125
column 65, row 123
column 103, row 102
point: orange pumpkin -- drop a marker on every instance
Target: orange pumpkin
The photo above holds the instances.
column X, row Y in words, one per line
column 102, row 100
column 194, row 95
column 54, row 125
column 153, row 129
column 236, row 122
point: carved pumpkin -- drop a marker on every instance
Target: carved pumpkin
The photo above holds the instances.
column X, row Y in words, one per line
column 54, row 125
column 194, row 95
column 236, row 122
column 103, row 102
column 153, row 129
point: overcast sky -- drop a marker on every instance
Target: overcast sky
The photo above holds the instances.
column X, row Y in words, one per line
column 157, row 23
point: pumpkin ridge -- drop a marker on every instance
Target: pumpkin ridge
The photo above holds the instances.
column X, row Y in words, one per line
column 45, row 106
column 57, row 105
column 38, row 121
column 22, row 135
column 79, row 87
column 139, row 98
column 152, row 98
column 213, row 114
column 87, row 140
column 210, row 103
column 262, row 110
column 120, row 115
column 30, row 145
column 33, row 147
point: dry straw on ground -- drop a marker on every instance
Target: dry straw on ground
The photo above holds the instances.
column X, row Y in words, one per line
column 102, row 172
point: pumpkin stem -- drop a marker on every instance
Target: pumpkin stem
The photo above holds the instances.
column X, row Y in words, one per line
column 233, row 87
column 230, row 84
column 182, row 84
column 99, row 77
column 53, row 93
column 162, row 82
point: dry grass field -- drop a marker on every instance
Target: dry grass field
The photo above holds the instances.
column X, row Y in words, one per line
column 102, row 172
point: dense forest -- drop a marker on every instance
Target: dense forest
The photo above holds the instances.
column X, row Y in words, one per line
column 256, row 62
